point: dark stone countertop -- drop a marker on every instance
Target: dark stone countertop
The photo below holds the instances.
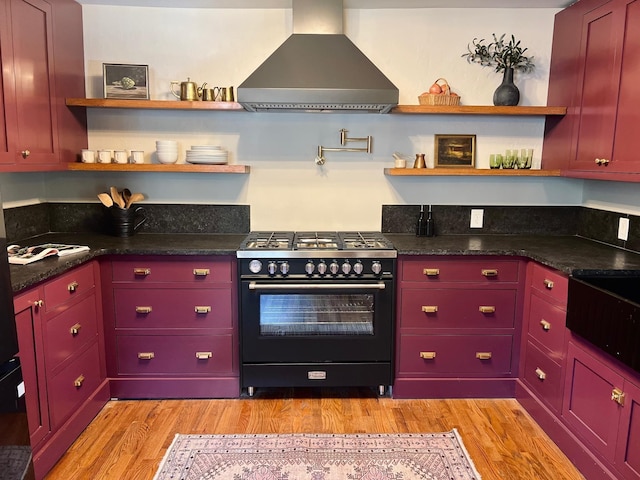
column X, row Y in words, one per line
column 569, row 254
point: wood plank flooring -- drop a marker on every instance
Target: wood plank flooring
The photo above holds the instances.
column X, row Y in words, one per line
column 128, row 438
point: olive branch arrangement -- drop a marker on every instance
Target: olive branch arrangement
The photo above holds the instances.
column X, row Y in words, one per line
column 499, row 54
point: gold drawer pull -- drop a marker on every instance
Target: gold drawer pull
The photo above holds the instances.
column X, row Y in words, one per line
column 203, row 355
column 431, row 272
column 72, row 287
column 142, row 272
column 540, row 374
column 546, row 326
column 483, row 355
column 617, row 396
column 201, row 272
column 487, row 309
column 38, row 303
column 428, row 355
column 78, row 381
column 202, row 308
column 489, row 272
column 75, row 330
column 548, row 283
column 146, row 355
column 429, row 308
column 144, row 310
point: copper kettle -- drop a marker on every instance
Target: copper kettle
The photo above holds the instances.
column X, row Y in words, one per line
column 188, row 90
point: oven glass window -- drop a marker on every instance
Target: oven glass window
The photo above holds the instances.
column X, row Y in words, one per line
column 300, row 314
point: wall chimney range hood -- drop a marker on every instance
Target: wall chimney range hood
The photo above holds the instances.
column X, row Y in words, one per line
column 318, row 69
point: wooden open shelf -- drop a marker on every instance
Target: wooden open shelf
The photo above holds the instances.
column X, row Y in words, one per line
column 479, row 110
column 153, row 104
column 424, row 172
column 156, row 167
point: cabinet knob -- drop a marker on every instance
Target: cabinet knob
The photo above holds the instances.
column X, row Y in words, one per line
column 548, row 284
column 429, row 308
column 617, row 396
column 204, row 355
column 428, row 355
column 431, row 272
column 483, row 355
column 489, row 272
column 201, row 272
column 78, row 381
column 540, row 374
column 546, row 326
column 146, row 355
column 38, row 303
column 487, row 309
column 72, row 287
column 141, row 272
column 25, row 153
column 202, row 308
column 75, row 330
column 143, row 310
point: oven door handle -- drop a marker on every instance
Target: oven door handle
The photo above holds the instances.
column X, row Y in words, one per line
column 316, row 286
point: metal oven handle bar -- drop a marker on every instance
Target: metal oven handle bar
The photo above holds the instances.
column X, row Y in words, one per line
column 316, row 286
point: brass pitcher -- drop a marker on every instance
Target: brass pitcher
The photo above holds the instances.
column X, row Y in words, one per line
column 188, row 90
column 419, row 162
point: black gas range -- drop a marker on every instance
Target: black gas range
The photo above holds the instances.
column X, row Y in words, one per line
column 316, row 309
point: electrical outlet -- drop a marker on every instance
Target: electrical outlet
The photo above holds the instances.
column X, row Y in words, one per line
column 623, row 228
column 477, row 215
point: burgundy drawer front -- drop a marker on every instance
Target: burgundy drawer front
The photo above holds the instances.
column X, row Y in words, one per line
column 455, row 354
column 68, row 286
column 438, row 271
column 543, row 376
column 174, row 355
column 188, row 271
column 70, row 331
column 452, row 308
column 173, row 308
column 73, row 385
column 547, row 326
column 550, row 282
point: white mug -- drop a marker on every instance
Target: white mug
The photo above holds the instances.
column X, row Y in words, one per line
column 104, row 156
column 120, row 156
column 137, row 156
column 88, row 156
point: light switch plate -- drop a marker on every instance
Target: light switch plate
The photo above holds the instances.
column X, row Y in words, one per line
column 477, row 215
column 623, row 229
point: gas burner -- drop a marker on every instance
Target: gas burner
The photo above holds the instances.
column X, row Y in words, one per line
column 268, row 241
column 315, row 241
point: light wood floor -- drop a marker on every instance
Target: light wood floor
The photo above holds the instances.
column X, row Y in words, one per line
column 128, row 438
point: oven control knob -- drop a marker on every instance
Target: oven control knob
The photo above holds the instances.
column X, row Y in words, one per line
column 322, row 268
column 310, row 267
column 358, row 268
column 272, row 268
column 334, row 268
column 376, row 267
column 346, row 268
column 255, row 266
column 284, row 268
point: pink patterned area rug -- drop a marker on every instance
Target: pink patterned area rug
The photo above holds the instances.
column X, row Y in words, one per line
column 417, row 456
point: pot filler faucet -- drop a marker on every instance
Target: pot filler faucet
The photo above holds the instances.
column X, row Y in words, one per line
column 343, row 141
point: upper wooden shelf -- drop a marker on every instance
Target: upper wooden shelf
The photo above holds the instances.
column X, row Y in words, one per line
column 450, row 171
column 152, row 104
column 478, row 110
column 156, row 167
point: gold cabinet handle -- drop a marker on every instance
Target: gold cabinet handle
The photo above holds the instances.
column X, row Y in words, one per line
column 144, row 310
column 540, row 374
column 431, row 272
column 429, row 308
column 602, row 161
column 141, row 272
column 25, row 153
column 548, row 284
column 428, row 355
column 546, row 326
column 489, row 272
column 204, row 355
column 487, row 309
column 146, row 355
column 201, row 272
column 75, row 330
column 38, row 303
column 617, row 396
column 483, row 355
column 78, row 381
column 202, row 308
column 72, row 287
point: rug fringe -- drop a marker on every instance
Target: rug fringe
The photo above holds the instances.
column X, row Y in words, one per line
column 165, row 457
column 466, row 453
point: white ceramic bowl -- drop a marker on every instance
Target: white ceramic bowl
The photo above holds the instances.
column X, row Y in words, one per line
column 167, row 157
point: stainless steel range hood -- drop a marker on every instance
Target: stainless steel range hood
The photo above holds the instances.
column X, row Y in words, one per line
column 318, row 69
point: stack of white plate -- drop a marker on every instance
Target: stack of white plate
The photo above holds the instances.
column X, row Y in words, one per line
column 208, row 154
column 167, row 151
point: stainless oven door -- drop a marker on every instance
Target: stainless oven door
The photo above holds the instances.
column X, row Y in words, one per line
column 293, row 321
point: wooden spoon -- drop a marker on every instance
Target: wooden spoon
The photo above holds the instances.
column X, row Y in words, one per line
column 135, row 197
column 115, row 195
column 106, row 200
column 126, row 194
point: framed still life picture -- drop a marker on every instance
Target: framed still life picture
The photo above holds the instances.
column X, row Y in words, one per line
column 125, row 81
column 455, row 150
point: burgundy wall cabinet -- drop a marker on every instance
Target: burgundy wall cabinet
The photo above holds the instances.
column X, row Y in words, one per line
column 171, row 327
column 62, row 353
column 42, row 60
column 459, row 323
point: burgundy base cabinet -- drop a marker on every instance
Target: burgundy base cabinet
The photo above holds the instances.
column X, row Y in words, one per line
column 62, row 355
column 171, row 327
column 459, row 325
